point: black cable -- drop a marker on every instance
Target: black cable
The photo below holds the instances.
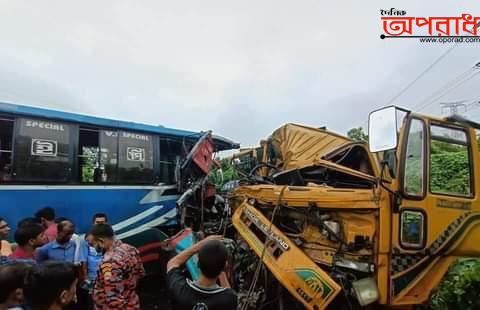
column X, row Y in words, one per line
column 421, row 74
column 443, row 89
column 260, row 261
column 447, row 91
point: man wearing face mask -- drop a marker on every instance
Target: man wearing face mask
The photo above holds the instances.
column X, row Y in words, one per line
column 94, row 259
column 119, row 271
column 50, row 286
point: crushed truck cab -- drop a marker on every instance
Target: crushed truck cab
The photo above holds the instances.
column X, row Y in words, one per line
column 334, row 219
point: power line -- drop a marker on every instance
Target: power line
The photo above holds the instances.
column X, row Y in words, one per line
column 448, row 51
column 475, row 105
column 409, row 85
column 449, row 87
column 444, row 87
column 427, row 69
column 421, row 74
column 472, row 103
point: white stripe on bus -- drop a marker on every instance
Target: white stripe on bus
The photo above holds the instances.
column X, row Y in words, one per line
column 154, row 195
column 136, row 218
column 164, row 218
column 142, row 215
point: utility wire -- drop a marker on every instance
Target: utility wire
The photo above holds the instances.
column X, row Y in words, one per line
column 472, row 103
column 425, row 71
column 409, row 85
column 448, row 51
column 443, row 88
column 449, row 88
column 474, row 107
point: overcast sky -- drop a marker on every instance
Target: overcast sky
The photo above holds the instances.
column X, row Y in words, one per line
column 240, row 68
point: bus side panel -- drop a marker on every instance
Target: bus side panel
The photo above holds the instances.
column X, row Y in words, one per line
column 134, row 213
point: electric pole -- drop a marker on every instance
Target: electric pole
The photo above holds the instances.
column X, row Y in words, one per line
column 452, row 108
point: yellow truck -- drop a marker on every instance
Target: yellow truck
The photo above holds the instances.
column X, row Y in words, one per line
column 339, row 223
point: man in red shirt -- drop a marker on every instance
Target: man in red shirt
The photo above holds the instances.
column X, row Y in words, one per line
column 28, row 237
column 47, row 217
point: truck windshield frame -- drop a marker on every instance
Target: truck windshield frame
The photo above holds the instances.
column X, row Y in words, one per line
column 423, row 174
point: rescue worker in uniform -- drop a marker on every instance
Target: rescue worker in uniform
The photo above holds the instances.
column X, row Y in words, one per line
column 119, row 271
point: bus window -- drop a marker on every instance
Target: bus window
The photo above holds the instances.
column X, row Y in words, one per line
column 6, row 137
column 97, row 155
column 135, row 158
column 107, row 171
column 170, row 153
column 42, row 151
column 89, row 155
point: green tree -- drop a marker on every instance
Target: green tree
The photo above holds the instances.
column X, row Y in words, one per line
column 357, row 134
column 459, row 288
column 227, row 173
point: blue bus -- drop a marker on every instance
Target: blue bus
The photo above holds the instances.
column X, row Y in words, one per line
column 81, row 165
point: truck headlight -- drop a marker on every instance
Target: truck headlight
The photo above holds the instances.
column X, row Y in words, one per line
column 365, row 290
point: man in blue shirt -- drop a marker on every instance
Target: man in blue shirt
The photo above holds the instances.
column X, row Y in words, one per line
column 67, row 249
column 64, row 249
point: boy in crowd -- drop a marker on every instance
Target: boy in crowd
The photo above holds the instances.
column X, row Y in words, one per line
column 50, row 286
column 47, row 218
column 28, row 238
column 100, row 218
column 11, row 285
column 204, row 293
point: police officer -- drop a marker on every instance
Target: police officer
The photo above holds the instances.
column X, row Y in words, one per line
column 119, row 271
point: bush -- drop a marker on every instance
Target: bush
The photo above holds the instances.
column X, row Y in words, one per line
column 450, row 173
column 459, row 289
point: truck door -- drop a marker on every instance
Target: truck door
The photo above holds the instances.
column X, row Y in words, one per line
column 436, row 191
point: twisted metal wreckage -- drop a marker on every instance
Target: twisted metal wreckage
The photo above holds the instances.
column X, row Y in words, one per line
column 315, row 221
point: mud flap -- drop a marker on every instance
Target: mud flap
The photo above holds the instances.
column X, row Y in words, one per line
column 306, row 281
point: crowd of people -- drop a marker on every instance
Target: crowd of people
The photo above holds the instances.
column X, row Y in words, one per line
column 50, row 267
